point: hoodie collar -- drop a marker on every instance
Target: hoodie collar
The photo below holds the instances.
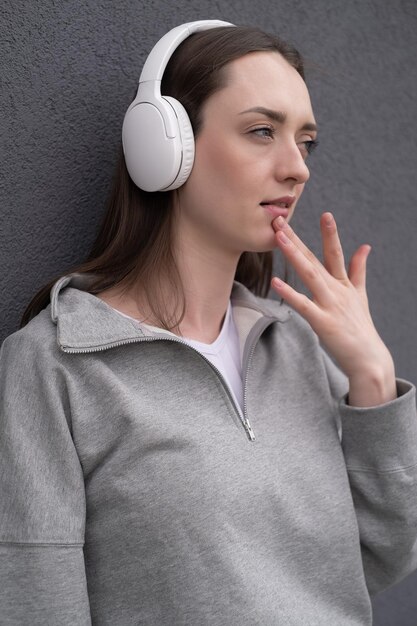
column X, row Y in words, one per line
column 85, row 322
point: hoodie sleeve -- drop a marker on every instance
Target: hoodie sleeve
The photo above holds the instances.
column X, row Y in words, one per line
column 380, row 449
column 42, row 497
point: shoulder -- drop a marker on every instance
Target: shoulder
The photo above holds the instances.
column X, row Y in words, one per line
column 35, row 343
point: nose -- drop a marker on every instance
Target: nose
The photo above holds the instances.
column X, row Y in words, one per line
column 290, row 164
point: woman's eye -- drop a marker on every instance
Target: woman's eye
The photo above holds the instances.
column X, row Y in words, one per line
column 307, row 147
column 263, row 131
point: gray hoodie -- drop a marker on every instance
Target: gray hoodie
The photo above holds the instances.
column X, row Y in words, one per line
column 133, row 492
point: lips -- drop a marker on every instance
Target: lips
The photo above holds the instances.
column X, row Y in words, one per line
column 279, row 206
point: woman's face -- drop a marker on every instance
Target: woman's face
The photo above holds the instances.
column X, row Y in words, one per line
column 250, row 156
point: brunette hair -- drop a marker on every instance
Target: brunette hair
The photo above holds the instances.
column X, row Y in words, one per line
column 133, row 245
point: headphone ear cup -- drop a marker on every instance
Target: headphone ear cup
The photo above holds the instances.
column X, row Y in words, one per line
column 156, row 162
column 187, row 141
column 153, row 159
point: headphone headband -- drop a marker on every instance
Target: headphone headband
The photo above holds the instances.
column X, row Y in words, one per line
column 162, row 51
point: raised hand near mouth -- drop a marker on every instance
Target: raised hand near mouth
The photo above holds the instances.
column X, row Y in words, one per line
column 338, row 310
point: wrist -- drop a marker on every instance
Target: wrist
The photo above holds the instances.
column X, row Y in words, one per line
column 373, row 385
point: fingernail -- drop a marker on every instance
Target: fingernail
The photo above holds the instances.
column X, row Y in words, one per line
column 276, row 282
column 328, row 220
column 281, row 222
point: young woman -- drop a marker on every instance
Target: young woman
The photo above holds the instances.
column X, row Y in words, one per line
column 176, row 449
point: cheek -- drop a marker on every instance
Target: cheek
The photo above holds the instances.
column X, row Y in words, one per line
column 211, row 179
column 219, row 165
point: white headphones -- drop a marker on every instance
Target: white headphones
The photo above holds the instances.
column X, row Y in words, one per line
column 157, row 137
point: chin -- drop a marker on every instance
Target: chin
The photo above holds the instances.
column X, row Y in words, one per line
column 269, row 242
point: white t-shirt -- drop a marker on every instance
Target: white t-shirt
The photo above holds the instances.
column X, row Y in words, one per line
column 224, row 354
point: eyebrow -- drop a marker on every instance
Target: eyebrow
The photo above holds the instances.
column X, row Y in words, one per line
column 277, row 116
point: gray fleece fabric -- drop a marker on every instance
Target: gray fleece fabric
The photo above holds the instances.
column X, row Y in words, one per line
column 132, row 491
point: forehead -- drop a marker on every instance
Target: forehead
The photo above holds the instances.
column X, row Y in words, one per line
column 263, row 79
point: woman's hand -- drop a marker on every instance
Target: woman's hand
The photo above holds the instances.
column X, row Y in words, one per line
column 338, row 310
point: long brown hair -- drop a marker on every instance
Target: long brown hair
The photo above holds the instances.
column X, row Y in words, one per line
column 134, row 243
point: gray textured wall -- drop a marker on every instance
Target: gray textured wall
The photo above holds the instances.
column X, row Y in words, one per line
column 68, row 71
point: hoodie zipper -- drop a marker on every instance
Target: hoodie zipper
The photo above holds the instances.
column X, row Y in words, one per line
column 264, row 326
column 242, row 415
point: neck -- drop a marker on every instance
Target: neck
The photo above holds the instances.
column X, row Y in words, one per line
column 207, row 278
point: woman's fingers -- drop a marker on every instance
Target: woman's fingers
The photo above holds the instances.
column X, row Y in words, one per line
column 333, row 257
column 357, row 267
column 307, row 266
column 327, row 281
column 318, row 277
